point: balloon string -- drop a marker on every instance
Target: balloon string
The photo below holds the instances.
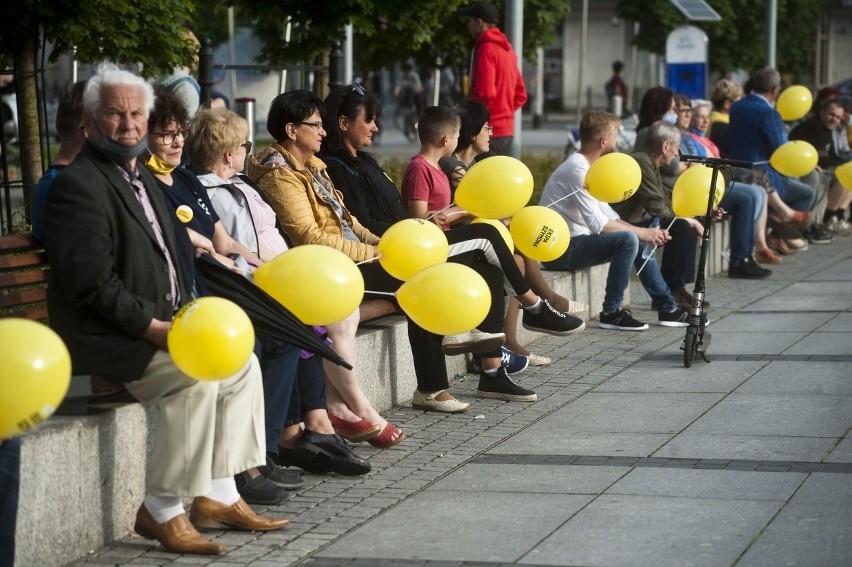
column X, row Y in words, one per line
column 639, row 271
column 368, row 261
column 561, row 198
column 760, row 162
column 448, row 207
column 391, row 294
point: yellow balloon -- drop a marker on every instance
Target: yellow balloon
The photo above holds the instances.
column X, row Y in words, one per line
column 844, row 175
column 411, row 245
column 540, row 233
column 210, row 339
column 794, row 102
column 613, row 178
column 794, row 159
column 35, row 376
column 692, row 189
column 446, row 299
column 495, row 188
column 319, row 284
column 501, row 228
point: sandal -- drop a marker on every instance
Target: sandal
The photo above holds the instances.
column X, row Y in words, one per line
column 385, row 439
column 354, row 431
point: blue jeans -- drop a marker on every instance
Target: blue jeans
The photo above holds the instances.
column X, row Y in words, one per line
column 279, row 362
column 621, row 250
column 741, row 201
column 10, row 481
column 798, row 196
column 309, row 393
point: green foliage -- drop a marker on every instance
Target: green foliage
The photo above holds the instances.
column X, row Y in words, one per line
column 541, row 166
column 738, row 40
column 141, row 31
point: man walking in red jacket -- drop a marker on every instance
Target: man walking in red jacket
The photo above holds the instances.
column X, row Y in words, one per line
column 494, row 76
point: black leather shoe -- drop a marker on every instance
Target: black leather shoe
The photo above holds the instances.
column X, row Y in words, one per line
column 321, row 453
column 259, row 490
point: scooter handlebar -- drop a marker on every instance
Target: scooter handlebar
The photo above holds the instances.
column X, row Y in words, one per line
column 710, row 161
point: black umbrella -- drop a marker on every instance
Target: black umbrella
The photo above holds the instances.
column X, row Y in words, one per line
column 269, row 317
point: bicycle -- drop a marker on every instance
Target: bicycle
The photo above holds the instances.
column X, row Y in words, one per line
column 697, row 339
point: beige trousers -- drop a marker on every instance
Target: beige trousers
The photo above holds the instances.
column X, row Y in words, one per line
column 205, row 430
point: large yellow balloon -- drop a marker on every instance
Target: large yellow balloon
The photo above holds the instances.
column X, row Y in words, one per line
column 210, row 339
column 501, row 228
column 495, row 188
column 411, row 245
column 794, row 159
column 844, row 175
column 692, row 189
column 794, row 102
column 319, row 284
column 446, row 299
column 35, row 375
column 613, row 178
column 540, row 233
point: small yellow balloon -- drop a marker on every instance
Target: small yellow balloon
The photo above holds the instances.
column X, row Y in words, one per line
column 35, row 377
column 319, row 284
column 613, row 178
column 501, row 228
column 794, row 159
column 844, row 175
column 210, row 339
column 692, row 189
column 540, row 233
column 495, row 188
column 411, row 245
column 445, row 299
column 794, row 102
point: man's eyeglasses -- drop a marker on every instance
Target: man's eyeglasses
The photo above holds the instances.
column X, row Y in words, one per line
column 169, row 136
column 315, row 125
column 359, row 90
column 685, row 111
column 247, row 146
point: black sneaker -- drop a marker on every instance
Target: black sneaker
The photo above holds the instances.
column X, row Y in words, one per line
column 549, row 320
column 676, row 318
column 816, row 235
column 259, row 491
column 747, row 268
column 279, row 477
column 501, row 387
column 620, row 321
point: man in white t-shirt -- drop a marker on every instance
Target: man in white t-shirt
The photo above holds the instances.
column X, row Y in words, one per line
column 598, row 235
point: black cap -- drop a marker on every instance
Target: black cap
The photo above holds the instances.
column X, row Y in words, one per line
column 481, row 10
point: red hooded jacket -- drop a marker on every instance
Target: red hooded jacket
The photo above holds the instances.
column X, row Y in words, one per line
column 496, row 81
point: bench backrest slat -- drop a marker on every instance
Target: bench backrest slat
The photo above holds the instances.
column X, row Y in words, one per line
column 23, row 277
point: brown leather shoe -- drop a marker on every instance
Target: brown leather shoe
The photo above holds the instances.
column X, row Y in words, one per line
column 210, row 514
column 778, row 244
column 176, row 535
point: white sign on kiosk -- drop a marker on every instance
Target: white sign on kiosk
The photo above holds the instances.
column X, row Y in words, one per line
column 686, row 61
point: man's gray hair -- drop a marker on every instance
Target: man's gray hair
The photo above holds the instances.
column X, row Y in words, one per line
column 659, row 132
column 110, row 74
column 765, row 79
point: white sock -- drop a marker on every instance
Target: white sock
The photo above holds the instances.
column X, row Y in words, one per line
column 224, row 490
column 535, row 307
column 491, row 371
column 164, row 508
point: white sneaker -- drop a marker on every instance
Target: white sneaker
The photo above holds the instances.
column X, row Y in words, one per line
column 429, row 403
column 474, row 341
column 538, row 360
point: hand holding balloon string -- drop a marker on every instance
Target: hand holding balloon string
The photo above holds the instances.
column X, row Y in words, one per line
column 666, row 231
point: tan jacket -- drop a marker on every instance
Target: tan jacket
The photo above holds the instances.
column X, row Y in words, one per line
column 303, row 212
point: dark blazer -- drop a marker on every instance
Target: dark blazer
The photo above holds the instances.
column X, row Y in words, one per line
column 109, row 277
column 755, row 132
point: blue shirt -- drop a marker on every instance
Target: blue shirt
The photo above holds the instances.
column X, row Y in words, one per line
column 40, row 199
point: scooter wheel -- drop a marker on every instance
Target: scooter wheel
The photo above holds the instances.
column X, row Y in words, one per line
column 690, row 346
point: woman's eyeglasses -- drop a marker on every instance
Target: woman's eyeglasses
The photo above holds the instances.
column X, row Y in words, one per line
column 488, row 129
column 169, row 136
column 315, row 125
column 247, row 146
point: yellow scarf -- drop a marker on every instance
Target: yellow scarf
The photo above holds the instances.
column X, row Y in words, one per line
column 158, row 165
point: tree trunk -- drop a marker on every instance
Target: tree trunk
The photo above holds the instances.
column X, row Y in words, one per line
column 28, row 120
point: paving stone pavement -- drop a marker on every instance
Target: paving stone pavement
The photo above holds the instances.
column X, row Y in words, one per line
column 627, row 458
